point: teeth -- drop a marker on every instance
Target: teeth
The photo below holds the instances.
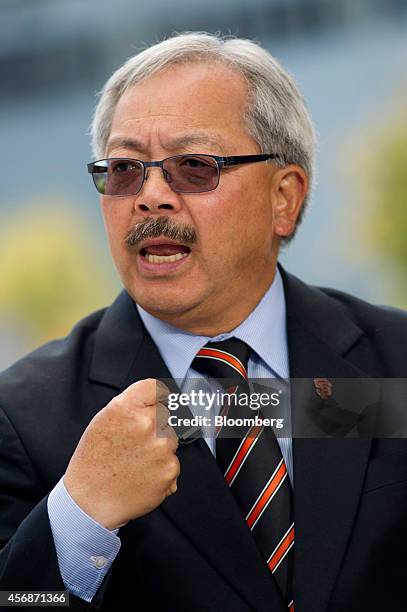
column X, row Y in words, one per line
column 164, row 258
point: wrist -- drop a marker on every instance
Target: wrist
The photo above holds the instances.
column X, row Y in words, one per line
column 94, row 509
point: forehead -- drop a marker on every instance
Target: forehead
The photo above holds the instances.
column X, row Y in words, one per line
column 204, row 102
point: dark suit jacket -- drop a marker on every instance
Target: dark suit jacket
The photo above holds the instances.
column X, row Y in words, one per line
column 194, row 552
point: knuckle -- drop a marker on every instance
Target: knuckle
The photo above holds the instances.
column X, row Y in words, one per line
column 174, row 467
column 118, row 403
column 146, row 384
column 161, row 443
column 173, row 439
column 145, row 424
column 173, row 488
column 166, row 442
column 145, row 391
column 149, row 385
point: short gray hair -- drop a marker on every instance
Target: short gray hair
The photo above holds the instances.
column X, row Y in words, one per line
column 276, row 116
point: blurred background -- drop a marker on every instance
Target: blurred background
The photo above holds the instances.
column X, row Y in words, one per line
column 349, row 58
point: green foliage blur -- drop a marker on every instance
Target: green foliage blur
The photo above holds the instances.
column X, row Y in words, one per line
column 53, row 271
column 385, row 197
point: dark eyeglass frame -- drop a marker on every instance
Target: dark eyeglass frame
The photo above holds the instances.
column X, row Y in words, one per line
column 221, row 162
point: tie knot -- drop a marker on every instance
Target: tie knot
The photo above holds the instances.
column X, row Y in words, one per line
column 225, row 360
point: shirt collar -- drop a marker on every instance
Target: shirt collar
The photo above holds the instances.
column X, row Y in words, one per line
column 264, row 330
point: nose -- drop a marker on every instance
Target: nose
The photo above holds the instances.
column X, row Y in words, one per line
column 156, row 194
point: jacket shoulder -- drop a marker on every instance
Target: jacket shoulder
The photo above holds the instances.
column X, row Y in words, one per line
column 370, row 317
column 54, row 361
column 384, row 330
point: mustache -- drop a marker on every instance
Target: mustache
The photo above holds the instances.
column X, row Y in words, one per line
column 157, row 227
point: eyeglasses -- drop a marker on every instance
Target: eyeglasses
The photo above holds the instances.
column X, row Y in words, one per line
column 122, row 176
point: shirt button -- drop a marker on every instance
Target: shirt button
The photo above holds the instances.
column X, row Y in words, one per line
column 99, row 562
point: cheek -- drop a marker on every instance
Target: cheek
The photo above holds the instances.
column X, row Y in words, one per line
column 255, row 215
column 117, row 220
column 237, row 214
column 117, row 212
column 113, row 209
column 213, row 223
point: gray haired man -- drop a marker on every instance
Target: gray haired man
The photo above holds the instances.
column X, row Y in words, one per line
column 204, row 154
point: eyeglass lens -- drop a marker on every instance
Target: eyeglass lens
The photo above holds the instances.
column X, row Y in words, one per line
column 184, row 174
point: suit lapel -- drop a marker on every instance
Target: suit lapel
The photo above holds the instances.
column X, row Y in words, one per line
column 328, row 473
column 124, row 352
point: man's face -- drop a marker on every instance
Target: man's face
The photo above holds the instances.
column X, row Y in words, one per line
column 195, row 108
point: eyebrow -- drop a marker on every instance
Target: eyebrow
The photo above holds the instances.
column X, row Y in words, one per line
column 172, row 145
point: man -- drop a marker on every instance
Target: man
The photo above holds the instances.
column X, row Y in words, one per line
column 96, row 494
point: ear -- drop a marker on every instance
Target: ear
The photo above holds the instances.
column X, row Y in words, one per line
column 289, row 188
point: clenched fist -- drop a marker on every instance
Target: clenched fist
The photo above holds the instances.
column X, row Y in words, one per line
column 122, row 468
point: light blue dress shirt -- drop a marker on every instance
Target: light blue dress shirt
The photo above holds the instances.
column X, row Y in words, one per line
column 84, row 548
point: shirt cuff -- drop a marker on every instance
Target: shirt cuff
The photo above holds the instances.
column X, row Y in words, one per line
column 85, row 549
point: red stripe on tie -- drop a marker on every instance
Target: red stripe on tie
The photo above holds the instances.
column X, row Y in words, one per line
column 242, row 453
column 230, row 360
column 267, row 494
column 281, row 549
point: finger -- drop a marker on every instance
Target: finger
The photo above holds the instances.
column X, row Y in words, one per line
column 164, row 429
column 170, row 433
column 162, row 415
column 148, row 391
column 162, row 391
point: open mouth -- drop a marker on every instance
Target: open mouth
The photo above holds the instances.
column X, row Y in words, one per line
column 164, row 253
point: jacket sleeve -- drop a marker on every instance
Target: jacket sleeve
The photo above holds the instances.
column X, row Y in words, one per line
column 28, row 559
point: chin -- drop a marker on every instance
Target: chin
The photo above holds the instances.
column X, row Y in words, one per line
column 167, row 298
column 164, row 303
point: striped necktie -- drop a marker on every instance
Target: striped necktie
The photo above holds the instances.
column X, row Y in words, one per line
column 252, row 464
